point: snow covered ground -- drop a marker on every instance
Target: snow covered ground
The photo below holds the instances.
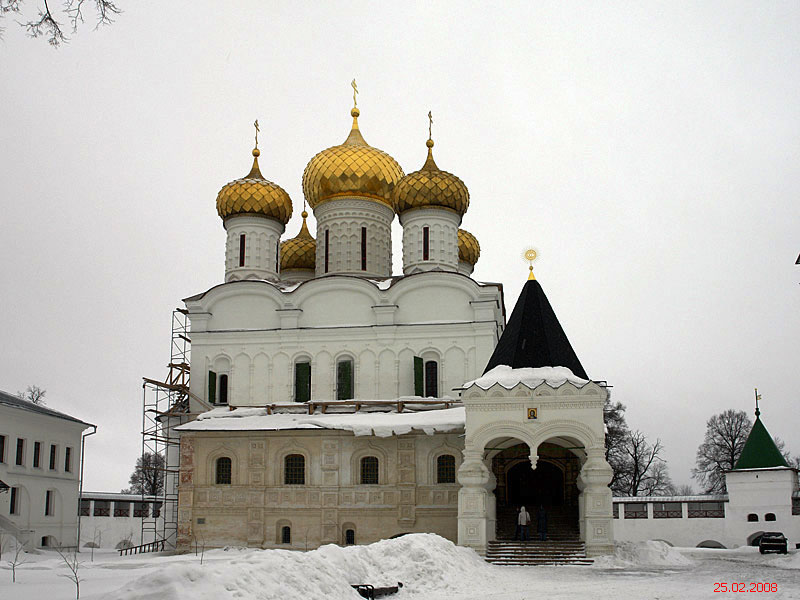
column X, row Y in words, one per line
column 429, row 566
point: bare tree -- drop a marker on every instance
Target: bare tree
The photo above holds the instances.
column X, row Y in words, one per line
column 16, row 560
column 616, row 432
column 200, row 542
column 148, row 475
column 50, row 24
column 643, row 472
column 73, row 564
column 726, row 434
column 34, row 393
column 684, row 490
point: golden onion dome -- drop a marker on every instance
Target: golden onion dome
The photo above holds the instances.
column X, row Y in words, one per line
column 430, row 187
column 353, row 168
column 300, row 252
column 254, row 195
column 468, row 247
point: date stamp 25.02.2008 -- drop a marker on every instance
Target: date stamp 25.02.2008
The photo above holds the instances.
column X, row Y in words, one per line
column 745, row 587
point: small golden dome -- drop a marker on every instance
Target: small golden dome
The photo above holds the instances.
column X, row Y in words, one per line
column 300, row 252
column 430, row 187
column 254, row 195
column 468, row 247
column 353, row 168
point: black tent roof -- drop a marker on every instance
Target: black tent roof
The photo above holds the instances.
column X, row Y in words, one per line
column 533, row 336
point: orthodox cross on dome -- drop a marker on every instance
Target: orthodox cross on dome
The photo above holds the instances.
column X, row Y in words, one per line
column 355, row 91
column 257, row 130
column 430, row 125
column 758, row 397
column 529, row 255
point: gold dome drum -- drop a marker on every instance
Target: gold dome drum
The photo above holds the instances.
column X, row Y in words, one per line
column 430, row 187
column 300, row 252
column 353, row 168
column 254, row 195
column 469, row 250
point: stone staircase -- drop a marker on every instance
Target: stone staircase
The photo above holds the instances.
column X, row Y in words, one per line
column 562, row 546
column 550, row 552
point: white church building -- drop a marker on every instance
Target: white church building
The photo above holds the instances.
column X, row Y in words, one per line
column 353, row 404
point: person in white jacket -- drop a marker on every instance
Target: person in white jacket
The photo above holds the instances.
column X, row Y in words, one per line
column 523, row 520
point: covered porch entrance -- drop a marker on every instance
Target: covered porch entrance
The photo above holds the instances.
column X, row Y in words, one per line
column 551, row 487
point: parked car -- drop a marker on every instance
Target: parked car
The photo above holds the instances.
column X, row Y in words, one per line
column 773, row 541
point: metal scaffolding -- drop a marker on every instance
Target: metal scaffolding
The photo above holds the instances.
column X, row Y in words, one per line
column 165, row 406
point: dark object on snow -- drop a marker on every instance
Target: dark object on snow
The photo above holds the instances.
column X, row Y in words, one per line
column 773, row 541
column 367, row 591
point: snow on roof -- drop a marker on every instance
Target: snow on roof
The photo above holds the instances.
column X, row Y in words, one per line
column 695, row 498
column 380, row 424
column 20, row 403
column 115, row 496
column 528, row 376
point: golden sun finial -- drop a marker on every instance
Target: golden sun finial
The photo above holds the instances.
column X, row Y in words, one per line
column 529, row 255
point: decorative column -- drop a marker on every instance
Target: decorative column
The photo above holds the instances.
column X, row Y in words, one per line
column 475, row 502
column 594, row 503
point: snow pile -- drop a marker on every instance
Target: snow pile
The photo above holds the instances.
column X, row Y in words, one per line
column 651, row 553
column 423, row 562
column 531, row 377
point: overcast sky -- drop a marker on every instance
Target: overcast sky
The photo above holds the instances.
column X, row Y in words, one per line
column 650, row 151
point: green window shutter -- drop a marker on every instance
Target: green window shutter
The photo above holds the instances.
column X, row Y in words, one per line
column 212, row 387
column 419, row 380
column 302, row 382
column 344, row 380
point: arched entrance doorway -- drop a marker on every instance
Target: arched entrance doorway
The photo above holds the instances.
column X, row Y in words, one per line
column 527, row 487
column 551, row 486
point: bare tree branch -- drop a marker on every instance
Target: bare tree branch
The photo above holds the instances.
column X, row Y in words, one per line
column 47, row 22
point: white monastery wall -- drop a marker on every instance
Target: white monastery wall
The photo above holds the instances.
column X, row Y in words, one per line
column 115, row 520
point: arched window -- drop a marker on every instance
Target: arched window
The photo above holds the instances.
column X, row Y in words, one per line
column 241, row 249
column 769, row 517
column 286, row 535
column 294, row 470
column 223, row 470
column 350, row 537
column 369, row 470
column 327, row 249
column 426, row 242
column 431, row 379
column 363, row 248
column 302, row 381
column 223, row 389
column 752, row 518
column 344, row 379
column 446, row 469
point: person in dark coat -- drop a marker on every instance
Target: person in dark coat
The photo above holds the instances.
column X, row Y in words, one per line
column 541, row 523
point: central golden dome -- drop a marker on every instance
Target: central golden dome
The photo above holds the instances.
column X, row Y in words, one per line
column 353, row 168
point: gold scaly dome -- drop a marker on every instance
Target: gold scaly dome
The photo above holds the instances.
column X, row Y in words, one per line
column 254, row 195
column 300, row 252
column 430, row 187
column 468, row 247
column 353, row 168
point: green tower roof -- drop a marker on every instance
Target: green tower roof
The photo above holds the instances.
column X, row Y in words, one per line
column 760, row 451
